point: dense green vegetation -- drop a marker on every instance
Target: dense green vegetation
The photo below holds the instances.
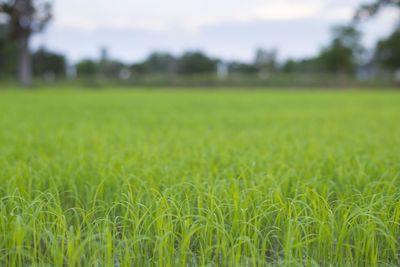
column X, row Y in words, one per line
column 184, row 178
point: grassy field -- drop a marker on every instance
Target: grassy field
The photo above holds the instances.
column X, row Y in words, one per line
column 188, row 178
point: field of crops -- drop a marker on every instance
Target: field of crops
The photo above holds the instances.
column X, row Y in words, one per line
column 189, row 178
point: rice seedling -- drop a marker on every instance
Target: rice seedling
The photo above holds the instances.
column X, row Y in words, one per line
column 195, row 178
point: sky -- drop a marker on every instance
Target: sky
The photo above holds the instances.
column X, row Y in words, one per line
column 227, row 29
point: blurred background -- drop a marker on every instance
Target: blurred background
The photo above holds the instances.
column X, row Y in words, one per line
column 254, row 43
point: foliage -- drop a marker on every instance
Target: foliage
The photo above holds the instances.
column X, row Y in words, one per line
column 388, row 51
column 371, row 9
column 159, row 62
column 44, row 61
column 307, row 65
column 344, row 53
column 196, row 62
column 289, row 66
column 229, row 178
column 110, row 68
column 87, row 68
column 26, row 16
column 265, row 60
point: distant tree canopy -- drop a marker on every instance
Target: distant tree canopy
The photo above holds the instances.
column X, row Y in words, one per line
column 307, row 65
column 196, row 62
column 342, row 56
column 290, row 66
column 388, row 51
column 371, row 9
column 46, row 62
column 87, row 68
column 160, row 62
column 265, row 60
column 155, row 63
column 109, row 68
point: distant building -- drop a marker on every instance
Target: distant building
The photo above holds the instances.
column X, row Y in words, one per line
column 70, row 72
column 222, row 70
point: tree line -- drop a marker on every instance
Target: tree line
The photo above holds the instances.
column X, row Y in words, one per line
column 344, row 56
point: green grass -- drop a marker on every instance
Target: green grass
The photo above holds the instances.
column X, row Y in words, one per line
column 188, row 178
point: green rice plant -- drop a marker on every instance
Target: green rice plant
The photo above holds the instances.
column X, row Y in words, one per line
column 199, row 178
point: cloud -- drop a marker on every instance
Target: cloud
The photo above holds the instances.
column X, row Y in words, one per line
column 160, row 15
column 285, row 10
column 76, row 22
column 343, row 13
column 230, row 29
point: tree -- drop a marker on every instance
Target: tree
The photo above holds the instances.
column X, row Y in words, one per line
column 265, row 60
column 343, row 55
column 306, row 65
column 25, row 17
column 87, row 68
column 45, row 62
column 290, row 66
column 369, row 10
column 138, row 68
column 196, row 62
column 159, row 62
column 388, row 51
column 110, row 68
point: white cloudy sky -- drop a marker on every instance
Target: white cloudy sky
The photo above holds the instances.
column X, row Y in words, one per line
column 231, row 29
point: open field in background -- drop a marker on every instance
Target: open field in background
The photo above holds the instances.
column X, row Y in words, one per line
column 185, row 178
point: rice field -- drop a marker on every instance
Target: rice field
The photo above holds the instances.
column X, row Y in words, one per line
column 199, row 178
